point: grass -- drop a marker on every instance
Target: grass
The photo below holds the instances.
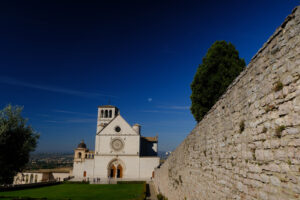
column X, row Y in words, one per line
column 269, row 108
column 264, row 130
column 242, row 126
column 278, row 131
column 79, row 192
column 278, row 86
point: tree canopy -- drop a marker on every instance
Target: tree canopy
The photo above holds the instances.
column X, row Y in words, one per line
column 220, row 66
column 17, row 140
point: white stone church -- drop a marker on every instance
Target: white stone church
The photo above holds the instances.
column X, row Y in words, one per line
column 120, row 150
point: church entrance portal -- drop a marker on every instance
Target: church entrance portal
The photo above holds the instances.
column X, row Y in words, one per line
column 115, row 170
column 112, row 171
column 119, row 171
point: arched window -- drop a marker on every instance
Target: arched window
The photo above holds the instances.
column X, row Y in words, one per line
column 110, row 113
column 79, row 155
column 86, row 155
column 106, row 113
column 92, row 156
column 102, row 114
column 26, row 178
column 35, row 178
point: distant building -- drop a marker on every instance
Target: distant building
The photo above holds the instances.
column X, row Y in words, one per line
column 120, row 150
column 41, row 175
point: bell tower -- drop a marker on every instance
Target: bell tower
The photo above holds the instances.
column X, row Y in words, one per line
column 106, row 113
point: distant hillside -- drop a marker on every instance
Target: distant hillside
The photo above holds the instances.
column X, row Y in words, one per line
column 50, row 161
column 61, row 160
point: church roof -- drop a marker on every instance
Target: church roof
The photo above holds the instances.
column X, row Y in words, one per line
column 82, row 145
column 151, row 139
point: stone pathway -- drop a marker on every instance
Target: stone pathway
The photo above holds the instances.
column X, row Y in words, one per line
column 151, row 194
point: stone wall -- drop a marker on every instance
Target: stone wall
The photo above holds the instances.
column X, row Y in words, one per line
column 248, row 145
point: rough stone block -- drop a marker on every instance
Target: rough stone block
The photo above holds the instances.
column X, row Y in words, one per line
column 275, row 181
column 280, row 154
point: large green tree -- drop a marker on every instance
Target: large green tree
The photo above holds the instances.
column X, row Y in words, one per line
column 17, row 140
column 220, row 66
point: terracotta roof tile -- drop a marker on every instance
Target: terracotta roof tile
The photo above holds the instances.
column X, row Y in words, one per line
column 151, row 139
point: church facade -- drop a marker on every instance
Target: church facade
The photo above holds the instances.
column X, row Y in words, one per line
column 120, row 150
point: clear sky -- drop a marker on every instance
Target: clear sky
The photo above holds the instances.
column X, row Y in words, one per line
column 61, row 59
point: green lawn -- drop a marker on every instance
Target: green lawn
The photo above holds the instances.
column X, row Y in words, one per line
column 79, row 192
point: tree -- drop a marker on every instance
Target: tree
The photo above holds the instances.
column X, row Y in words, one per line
column 17, row 140
column 220, row 66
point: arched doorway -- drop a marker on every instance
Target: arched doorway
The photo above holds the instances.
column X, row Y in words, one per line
column 112, row 171
column 116, row 169
column 119, row 171
column 84, row 174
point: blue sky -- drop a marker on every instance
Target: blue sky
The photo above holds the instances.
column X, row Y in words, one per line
column 61, row 59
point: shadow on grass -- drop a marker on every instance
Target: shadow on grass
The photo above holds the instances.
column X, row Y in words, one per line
column 147, row 190
column 20, row 198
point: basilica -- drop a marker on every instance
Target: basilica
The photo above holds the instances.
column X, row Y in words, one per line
column 120, row 150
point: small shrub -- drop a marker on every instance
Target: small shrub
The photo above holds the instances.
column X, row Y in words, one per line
column 278, row 131
column 161, row 197
column 176, row 181
column 169, row 172
column 253, row 154
column 264, row 130
column 269, row 108
column 180, row 180
column 283, row 179
column 278, row 86
column 242, row 126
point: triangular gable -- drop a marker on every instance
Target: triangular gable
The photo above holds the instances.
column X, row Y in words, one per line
column 126, row 129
